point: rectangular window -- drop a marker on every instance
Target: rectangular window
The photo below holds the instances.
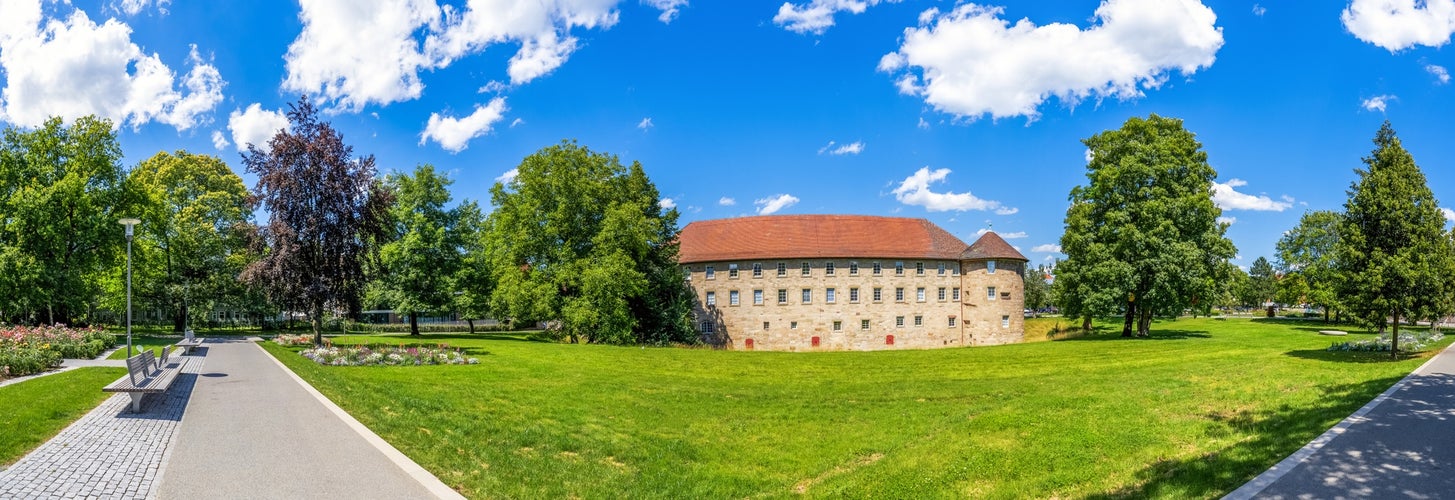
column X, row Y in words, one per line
column 733, row 298
column 838, row 325
column 878, row 269
column 1005, row 321
column 757, row 297
column 899, row 321
column 989, row 267
column 990, row 293
column 899, row 295
column 863, row 324
column 765, row 325
column 732, row 270
column 941, row 270
column 757, row 270
column 941, row 295
column 955, row 294
column 706, row 327
column 919, row 294
column 792, row 325
column 899, row 269
column 854, row 295
column 919, row 268
column 709, row 274
column 782, row 296
column 711, row 299
column 807, row 295
column 919, row 321
column 828, row 269
column 828, row 296
column 853, row 269
column 878, row 294
column 782, row 269
column 952, row 321
column 806, row 270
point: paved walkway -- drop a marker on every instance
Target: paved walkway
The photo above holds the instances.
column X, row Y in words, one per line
column 1401, row 445
column 235, row 424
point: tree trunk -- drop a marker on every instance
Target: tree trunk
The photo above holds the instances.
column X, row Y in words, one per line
column 1326, row 314
column 1144, row 325
column 1127, row 321
column 1394, row 338
column 413, row 323
column 317, row 322
column 472, row 325
column 1086, row 324
column 179, row 320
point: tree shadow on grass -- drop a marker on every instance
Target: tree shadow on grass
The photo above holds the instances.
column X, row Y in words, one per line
column 1275, row 434
column 1114, row 335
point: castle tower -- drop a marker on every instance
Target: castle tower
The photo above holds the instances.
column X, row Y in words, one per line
column 994, row 292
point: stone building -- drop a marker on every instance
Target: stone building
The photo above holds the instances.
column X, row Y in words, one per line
column 849, row 282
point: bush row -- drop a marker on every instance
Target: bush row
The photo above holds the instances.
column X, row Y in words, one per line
column 25, row 350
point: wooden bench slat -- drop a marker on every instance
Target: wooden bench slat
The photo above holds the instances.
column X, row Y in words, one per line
column 146, row 375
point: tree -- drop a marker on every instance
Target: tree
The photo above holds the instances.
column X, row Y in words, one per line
column 1306, row 254
column 423, row 252
column 1392, row 253
column 472, row 281
column 61, row 194
column 1038, row 291
column 1143, row 235
column 1263, row 280
column 190, row 245
column 326, row 214
column 581, row 242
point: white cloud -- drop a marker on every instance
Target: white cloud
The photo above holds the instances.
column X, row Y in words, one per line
column 1048, row 258
column 668, row 8
column 454, row 134
column 852, row 148
column 1227, row 198
column 969, row 62
column 1378, row 103
column 646, row 123
column 1400, row 24
column 1441, row 75
column 1007, row 211
column 1449, row 214
column 923, row 125
column 134, row 7
column 1008, row 236
column 508, row 176
column 219, row 140
column 1228, row 220
column 773, row 204
column 358, row 52
column 542, row 27
column 255, row 125
column 726, row 202
column 1259, row 10
column 667, row 204
column 817, row 16
column 1049, row 247
column 915, row 190
column 515, row 122
column 72, row 67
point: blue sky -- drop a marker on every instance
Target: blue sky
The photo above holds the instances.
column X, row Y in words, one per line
column 970, row 115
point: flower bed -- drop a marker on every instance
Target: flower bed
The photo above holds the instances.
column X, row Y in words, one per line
column 388, row 355
column 25, row 350
column 1408, row 342
column 291, row 340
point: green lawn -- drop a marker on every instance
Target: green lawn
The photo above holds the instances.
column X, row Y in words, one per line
column 141, row 342
column 1195, row 411
column 33, row 411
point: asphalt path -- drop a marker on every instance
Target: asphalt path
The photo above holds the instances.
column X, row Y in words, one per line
column 1401, row 446
column 252, row 431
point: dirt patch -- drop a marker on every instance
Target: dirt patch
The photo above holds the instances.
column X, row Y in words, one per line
column 803, row 486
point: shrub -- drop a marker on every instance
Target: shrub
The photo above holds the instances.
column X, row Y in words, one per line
column 16, row 361
column 388, row 355
column 1409, row 342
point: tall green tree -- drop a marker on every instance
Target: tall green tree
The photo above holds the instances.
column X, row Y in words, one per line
column 62, row 191
column 190, row 246
column 423, row 252
column 326, row 216
column 579, row 240
column 1038, row 291
column 1306, row 257
column 1263, row 279
column 1393, row 254
column 473, row 283
column 1142, row 236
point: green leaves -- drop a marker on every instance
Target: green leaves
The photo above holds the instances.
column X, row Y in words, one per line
column 424, row 252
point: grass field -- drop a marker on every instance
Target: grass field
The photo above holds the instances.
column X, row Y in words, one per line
column 1195, row 411
column 33, row 411
column 139, row 342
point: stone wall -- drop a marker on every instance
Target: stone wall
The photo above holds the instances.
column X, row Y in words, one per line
column 999, row 319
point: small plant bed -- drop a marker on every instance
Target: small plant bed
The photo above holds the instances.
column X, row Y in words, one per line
column 28, row 350
column 373, row 355
column 287, row 339
column 1408, row 342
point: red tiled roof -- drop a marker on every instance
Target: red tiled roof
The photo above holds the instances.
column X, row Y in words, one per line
column 991, row 246
column 816, row 236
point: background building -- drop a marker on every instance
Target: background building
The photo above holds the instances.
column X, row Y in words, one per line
column 836, row 282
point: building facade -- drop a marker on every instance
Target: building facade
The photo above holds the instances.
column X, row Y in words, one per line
column 834, row 282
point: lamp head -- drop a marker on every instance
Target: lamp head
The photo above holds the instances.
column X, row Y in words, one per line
column 129, row 222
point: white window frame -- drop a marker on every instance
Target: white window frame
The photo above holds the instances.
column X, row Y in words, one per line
column 758, row 297
column 989, row 267
column 989, row 293
column 853, row 268
column 757, row 269
column 919, row 320
column 782, row 295
column 878, row 294
column 733, row 297
column 864, row 324
column 919, row 269
column 899, row 321
column 919, row 294
column 941, row 294
column 783, row 269
column 709, row 273
column 1005, row 321
column 807, row 269
column 711, row 299
column 854, row 295
column 899, row 294
column 807, row 296
column 828, row 268
column 941, row 271
column 955, row 293
column 732, row 270
column 899, row 268
column 829, row 295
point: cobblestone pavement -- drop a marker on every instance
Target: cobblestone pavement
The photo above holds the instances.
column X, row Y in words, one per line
column 110, row 452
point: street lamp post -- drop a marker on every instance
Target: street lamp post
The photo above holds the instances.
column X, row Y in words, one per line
column 128, row 222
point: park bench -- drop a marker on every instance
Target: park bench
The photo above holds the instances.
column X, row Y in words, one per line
column 145, row 374
column 189, row 342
